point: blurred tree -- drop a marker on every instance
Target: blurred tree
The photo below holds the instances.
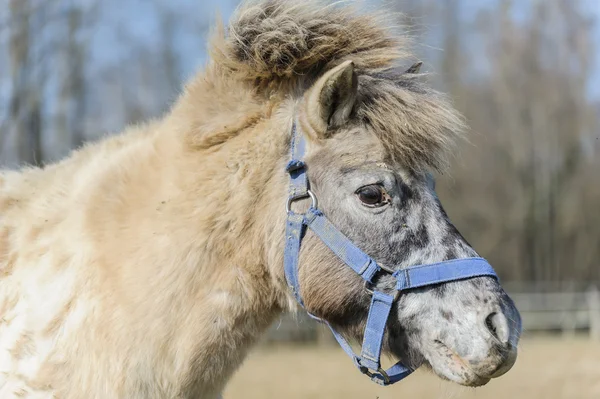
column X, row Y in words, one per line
column 25, row 99
column 523, row 194
column 71, row 109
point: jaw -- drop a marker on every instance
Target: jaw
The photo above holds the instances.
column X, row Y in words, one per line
column 449, row 366
column 444, row 362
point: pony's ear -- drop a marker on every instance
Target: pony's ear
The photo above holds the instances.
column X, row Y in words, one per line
column 331, row 99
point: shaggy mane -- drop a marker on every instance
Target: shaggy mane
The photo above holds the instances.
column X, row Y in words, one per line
column 278, row 42
column 280, row 47
column 416, row 124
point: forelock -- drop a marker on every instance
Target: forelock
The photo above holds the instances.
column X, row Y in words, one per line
column 416, row 125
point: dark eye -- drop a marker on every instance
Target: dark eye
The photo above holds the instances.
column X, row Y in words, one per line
column 373, row 195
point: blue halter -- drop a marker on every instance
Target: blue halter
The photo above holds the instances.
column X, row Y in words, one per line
column 368, row 362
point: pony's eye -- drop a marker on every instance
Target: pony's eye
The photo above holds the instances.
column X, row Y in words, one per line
column 373, row 195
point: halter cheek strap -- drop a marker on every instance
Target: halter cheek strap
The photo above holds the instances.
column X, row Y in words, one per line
column 368, row 362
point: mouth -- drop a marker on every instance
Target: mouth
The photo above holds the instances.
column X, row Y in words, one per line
column 449, row 366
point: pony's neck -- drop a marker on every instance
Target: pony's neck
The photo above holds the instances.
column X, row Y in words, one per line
column 231, row 184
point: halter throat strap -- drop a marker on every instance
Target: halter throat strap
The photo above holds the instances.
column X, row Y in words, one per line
column 369, row 360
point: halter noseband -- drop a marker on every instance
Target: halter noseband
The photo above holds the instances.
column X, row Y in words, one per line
column 368, row 362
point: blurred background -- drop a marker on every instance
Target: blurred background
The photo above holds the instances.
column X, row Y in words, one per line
column 525, row 190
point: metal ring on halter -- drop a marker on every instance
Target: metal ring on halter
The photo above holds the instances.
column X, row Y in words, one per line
column 308, row 194
column 370, row 290
column 386, row 269
column 367, row 286
column 386, row 378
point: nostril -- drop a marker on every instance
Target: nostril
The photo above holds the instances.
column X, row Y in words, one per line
column 497, row 325
column 490, row 325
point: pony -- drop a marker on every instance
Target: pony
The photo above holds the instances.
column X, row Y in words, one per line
column 147, row 264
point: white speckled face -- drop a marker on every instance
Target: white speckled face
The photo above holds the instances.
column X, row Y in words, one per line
column 467, row 331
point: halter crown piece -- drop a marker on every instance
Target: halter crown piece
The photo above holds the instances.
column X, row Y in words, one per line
column 368, row 362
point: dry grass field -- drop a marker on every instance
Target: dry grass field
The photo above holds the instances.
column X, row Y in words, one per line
column 547, row 368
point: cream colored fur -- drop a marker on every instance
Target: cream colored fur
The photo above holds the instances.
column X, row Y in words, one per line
column 147, row 264
column 136, row 268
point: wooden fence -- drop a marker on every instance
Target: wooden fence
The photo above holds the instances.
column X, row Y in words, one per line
column 565, row 308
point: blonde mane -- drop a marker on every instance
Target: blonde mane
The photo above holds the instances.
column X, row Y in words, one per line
column 276, row 45
column 276, row 49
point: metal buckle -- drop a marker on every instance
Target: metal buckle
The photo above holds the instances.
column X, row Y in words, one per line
column 373, row 376
column 368, row 287
column 370, row 290
column 294, row 198
column 366, row 370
